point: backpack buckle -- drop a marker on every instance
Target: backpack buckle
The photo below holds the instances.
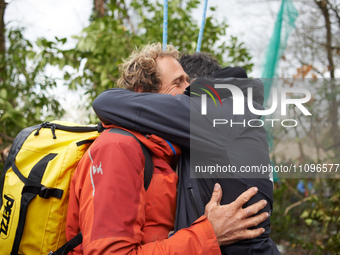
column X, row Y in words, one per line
column 45, row 192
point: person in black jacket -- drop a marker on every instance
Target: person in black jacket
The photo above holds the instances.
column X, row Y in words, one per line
column 174, row 119
column 204, row 65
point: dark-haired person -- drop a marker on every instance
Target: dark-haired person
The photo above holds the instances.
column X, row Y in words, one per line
column 193, row 64
column 109, row 204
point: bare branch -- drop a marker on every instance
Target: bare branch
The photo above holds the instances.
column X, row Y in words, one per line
column 127, row 15
column 295, row 205
column 335, row 10
column 6, row 137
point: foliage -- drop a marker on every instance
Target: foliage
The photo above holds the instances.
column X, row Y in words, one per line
column 324, row 217
column 313, row 225
column 23, row 86
column 100, row 48
column 315, row 43
column 308, row 223
column 106, row 41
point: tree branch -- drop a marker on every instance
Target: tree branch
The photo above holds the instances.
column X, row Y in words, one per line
column 295, row 205
column 335, row 10
column 6, row 137
column 127, row 16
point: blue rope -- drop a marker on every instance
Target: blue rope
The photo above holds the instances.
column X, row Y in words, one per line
column 165, row 25
column 200, row 35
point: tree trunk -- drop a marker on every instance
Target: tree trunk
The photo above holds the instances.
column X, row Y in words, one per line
column 2, row 42
column 333, row 109
column 2, row 27
column 99, row 8
column 323, row 6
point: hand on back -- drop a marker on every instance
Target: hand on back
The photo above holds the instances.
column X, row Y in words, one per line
column 231, row 222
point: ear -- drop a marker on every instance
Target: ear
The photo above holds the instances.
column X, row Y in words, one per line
column 139, row 89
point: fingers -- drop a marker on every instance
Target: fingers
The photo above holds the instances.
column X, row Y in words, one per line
column 253, row 222
column 254, row 209
column 216, row 195
column 245, row 196
column 250, row 234
column 256, row 220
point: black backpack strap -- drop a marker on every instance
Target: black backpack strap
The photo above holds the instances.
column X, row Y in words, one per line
column 147, row 154
column 148, row 172
column 15, row 148
column 31, row 189
column 189, row 202
column 69, row 246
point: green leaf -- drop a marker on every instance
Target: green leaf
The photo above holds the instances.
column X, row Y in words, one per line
column 305, row 214
column 3, row 94
column 106, row 82
column 101, row 26
column 72, row 85
column 103, row 75
column 67, row 76
column 308, row 221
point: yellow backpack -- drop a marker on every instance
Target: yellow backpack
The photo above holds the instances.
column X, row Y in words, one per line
column 35, row 184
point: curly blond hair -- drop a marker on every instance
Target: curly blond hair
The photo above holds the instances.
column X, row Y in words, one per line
column 140, row 69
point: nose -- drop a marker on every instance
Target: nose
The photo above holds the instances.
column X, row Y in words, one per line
column 186, row 84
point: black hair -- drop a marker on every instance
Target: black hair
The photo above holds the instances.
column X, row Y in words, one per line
column 199, row 64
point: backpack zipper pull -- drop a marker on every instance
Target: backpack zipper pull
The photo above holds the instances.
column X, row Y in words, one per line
column 42, row 125
column 53, row 127
column 47, row 124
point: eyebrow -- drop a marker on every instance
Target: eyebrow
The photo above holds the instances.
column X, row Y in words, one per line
column 186, row 77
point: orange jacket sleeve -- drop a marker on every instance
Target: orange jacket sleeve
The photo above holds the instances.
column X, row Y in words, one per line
column 198, row 239
column 108, row 205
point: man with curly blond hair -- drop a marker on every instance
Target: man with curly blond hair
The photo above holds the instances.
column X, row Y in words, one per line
column 140, row 71
column 120, row 217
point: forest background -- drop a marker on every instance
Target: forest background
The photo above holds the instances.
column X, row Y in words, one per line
column 49, row 74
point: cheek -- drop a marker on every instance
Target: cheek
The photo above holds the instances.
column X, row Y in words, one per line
column 176, row 91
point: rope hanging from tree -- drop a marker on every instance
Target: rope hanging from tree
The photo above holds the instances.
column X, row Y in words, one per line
column 200, row 35
column 165, row 24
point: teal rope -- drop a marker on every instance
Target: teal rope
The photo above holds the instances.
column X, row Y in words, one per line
column 200, row 35
column 165, row 24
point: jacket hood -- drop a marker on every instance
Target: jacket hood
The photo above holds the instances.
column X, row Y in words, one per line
column 158, row 146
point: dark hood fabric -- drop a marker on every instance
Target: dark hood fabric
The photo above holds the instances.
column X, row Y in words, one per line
column 236, row 72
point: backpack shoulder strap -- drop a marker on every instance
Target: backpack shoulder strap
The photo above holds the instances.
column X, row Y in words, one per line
column 15, row 148
column 147, row 154
column 76, row 240
column 69, row 246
